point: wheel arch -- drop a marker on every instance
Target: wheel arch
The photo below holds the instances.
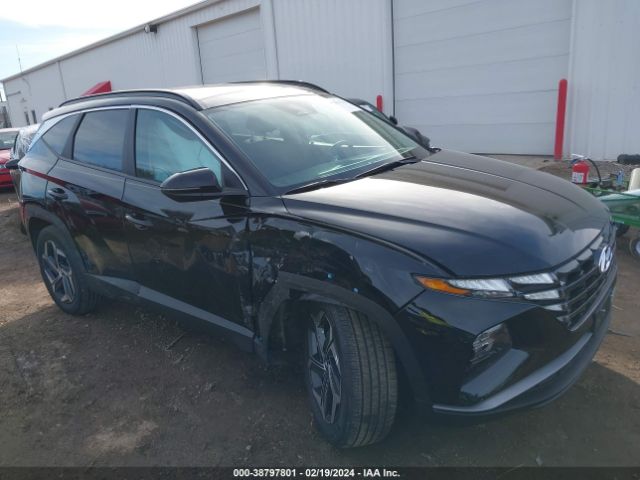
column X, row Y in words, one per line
column 37, row 218
column 291, row 289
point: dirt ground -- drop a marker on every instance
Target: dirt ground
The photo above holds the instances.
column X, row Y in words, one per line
column 112, row 388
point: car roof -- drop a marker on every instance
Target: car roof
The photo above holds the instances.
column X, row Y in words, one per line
column 9, row 130
column 29, row 130
column 216, row 95
column 199, row 97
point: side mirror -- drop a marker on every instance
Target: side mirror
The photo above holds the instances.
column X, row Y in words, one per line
column 12, row 164
column 192, row 185
column 425, row 142
column 394, row 120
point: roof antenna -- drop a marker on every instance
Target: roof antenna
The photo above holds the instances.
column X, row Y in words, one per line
column 19, row 61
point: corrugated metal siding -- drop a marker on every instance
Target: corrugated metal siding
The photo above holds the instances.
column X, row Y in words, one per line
column 168, row 58
column 232, row 48
column 43, row 89
column 604, row 83
column 342, row 45
column 130, row 62
column 481, row 76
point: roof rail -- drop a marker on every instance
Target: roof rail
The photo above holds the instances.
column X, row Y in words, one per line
column 128, row 93
column 299, row 83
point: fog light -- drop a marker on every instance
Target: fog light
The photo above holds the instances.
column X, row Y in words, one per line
column 491, row 342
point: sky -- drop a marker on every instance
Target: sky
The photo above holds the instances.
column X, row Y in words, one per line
column 39, row 30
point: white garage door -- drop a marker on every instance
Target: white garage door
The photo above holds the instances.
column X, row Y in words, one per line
column 232, row 49
column 481, row 75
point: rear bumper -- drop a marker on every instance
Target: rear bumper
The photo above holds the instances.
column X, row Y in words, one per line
column 551, row 380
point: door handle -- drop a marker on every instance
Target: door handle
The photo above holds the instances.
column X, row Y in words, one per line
column 138, row 222
column 57, row 193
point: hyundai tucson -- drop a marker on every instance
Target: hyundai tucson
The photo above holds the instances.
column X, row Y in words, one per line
column 296, row 223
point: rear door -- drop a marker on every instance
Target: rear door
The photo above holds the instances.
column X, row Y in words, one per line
column 86, row 184
column 190, row 256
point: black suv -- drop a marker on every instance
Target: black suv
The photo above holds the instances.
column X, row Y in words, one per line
column 291, row 220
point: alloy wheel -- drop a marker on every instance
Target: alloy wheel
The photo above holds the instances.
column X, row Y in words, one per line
column 324, row 366
column 58, row 272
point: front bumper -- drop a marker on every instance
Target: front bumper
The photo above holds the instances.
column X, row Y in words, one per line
column 545, row 360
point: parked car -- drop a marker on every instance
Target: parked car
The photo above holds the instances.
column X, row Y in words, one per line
column 414, row 133
column 7, row 137
column 297, row 224
column 19, row 149
column 23, row 141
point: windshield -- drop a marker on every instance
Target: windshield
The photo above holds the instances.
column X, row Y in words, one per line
column 372, row 110
column 298, row 140
column 6, row 139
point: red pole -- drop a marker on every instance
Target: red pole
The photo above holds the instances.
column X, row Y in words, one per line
column 379, row 102
column 562, row 110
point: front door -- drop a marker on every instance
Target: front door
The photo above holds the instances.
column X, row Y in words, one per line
column 189, row 256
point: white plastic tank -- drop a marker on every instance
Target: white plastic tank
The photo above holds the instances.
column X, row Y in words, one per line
column 634, row 180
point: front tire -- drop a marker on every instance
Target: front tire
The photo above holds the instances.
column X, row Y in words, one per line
column 63, row 272
column 350, row 375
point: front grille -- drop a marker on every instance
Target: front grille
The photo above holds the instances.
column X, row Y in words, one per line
column 579, row 283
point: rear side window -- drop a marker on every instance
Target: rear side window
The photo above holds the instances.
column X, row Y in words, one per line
column 56, row 137
column 165, row 145
column 100, row 138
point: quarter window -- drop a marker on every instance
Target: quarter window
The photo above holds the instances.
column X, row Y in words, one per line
column 56, row 137
column 100, row 138
column 165, row 145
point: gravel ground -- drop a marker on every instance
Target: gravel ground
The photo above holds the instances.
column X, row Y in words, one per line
column 112, row 388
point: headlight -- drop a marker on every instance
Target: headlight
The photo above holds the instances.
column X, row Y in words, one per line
column 546, row 295
column 494, row 287
column 536, row 279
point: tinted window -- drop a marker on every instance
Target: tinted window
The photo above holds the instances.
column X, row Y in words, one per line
column 56, row 136
column 165, row 145
column 41, row 153
column 100, row 138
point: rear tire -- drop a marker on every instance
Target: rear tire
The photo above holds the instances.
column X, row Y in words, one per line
column 348, row 359
column 63, row 272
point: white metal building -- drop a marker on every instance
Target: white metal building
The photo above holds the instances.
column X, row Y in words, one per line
column 474, row 75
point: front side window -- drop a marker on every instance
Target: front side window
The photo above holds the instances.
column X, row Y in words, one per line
column 302, row 139
column 165, row 145
column 100, row 138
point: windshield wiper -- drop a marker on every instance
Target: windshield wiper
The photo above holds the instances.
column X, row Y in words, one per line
column 329, row 183
column 319, row 184
column 389, row 166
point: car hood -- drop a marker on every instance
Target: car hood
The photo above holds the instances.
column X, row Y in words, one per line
column 471, row 215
